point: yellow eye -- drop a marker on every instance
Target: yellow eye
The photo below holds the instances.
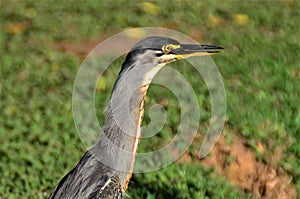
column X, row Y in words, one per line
column 166, row 48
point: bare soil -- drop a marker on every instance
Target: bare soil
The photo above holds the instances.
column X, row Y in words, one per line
column 238, row 164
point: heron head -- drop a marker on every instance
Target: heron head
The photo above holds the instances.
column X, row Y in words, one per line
column 149, row 55
column 157, row 51
column 167, row 50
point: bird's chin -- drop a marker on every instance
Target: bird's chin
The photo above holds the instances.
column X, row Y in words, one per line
column 167, row 58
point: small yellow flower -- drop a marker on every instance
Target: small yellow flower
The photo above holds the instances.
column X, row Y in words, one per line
column 17, row 28
column 240, row 19
column 214, row 20
column 135, row 34
column 149, row 8
column 101, row 86
column 11, row 110
column 31, row 13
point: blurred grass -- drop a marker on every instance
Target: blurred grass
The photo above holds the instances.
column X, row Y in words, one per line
column 260, row 68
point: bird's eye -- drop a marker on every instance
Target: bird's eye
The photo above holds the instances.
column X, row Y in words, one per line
column 166, row 48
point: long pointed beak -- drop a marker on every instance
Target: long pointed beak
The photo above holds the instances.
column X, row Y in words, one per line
column 191, row 50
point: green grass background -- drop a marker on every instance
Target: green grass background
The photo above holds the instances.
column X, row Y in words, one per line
column 260, row 69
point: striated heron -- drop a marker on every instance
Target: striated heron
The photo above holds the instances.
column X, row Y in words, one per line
column 91, row 178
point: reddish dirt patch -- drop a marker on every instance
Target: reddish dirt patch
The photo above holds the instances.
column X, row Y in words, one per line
column 239, row 165
column 82, row 49
column 184, row 158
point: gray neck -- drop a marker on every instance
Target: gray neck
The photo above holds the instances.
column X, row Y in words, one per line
column 118, row 142
column 117, row 145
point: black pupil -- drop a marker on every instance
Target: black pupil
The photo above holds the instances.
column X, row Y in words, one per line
column 167, row 48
